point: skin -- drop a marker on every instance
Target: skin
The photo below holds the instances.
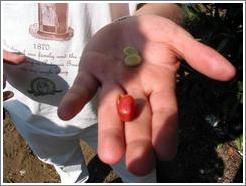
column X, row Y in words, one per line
column 161, row 43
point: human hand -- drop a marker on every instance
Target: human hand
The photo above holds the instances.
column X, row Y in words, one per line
column 14, row 59
column 154, row 131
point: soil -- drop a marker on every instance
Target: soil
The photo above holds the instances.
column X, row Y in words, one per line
column 20, row 165
column 197, row 161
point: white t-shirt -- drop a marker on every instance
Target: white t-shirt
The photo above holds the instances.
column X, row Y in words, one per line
column 52, row 36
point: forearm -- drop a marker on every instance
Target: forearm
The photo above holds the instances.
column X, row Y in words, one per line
column 168, row 10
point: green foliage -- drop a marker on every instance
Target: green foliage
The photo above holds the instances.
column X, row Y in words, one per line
column 219, row 25
column 219, row 146
column 240, row 92
column 239, row 143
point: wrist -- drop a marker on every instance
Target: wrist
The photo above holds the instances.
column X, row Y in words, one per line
column 168, row 10
column 121, row 18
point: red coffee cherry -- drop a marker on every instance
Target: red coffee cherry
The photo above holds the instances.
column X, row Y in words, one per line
column 126, row 107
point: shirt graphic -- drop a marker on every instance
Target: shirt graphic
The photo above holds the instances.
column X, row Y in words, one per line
column 52, row 22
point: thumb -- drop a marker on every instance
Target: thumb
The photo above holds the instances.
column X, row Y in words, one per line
column 12, row 58
column 199, row 56
column 205, row 59
column 82, row 91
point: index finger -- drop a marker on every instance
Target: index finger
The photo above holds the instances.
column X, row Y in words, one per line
column 82, row 90
column 205, row 59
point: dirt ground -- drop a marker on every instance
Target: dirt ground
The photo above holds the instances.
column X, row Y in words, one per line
column 197, row 161
column 22, row 166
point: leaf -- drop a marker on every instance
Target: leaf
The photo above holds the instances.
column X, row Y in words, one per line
column 219, row 146
column 239, row 142
column 240, row 86
column 223, row 44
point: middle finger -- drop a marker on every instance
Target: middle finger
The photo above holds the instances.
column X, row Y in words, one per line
column 139, row 153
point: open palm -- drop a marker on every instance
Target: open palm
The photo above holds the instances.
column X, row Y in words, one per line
column 160, row 43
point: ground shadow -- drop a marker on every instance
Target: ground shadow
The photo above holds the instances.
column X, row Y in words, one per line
column 98, row 171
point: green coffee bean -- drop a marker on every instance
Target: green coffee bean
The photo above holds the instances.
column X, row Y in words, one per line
column 132, row 56
column 132, row 60
column 130, row 50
